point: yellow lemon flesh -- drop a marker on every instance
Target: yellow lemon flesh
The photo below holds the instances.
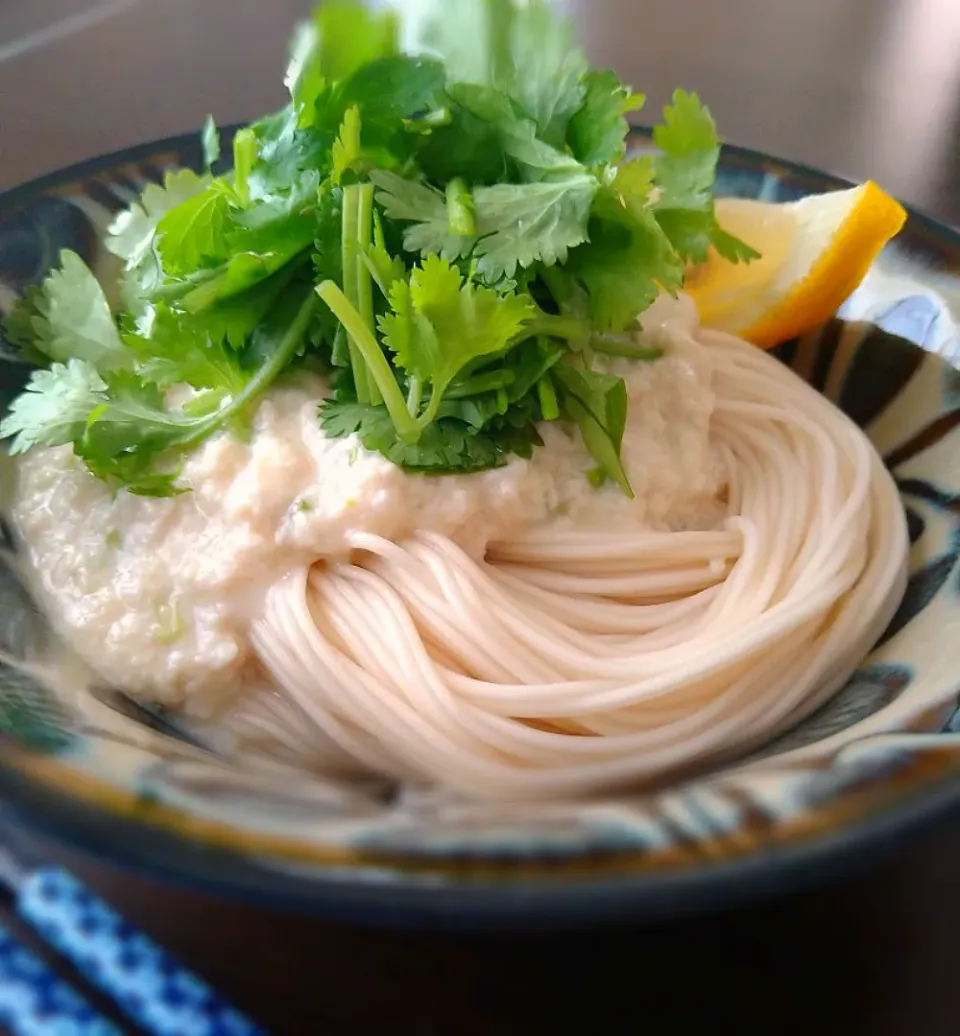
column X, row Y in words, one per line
column 813, row 254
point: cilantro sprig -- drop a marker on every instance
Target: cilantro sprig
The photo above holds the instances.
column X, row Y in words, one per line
column 450, row 230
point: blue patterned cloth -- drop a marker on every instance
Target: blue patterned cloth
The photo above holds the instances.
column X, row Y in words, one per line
column 34, row 1001
column 143, row 979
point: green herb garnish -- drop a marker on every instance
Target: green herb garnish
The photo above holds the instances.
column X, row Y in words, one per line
column 452, row 232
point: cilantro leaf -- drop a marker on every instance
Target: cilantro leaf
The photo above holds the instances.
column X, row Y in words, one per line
column 470, row 145
column 634, row 184
column 342, row 37
column 181, row 351
column 535, row 159
column 439, row 324
column 284, row 331
column 283, row 152
column 386, row 269
column 426, row 208
column 526, row 223
column 68, row 317
column 489, row 133
column 268, row 212
column 517, row 224
column 688, row 139
column 212, row 248
column 327, row 245
column 132, row 420
column 343, row 417
column 346, row 152
column 54, row 407
column 629, row 258
column 195, row 232
column 488, row 103
column 732, row 248
column 525, row 50
column 530, row 362
column 304, row 78
column 17, row 325
column 545, row 69
column 119, row 422
column 233, row 320
column 468, row 36
column 130, row 235
column 132, row 430
column 597, row 131
column 352, row 35
column 624, row 268
column 598, row 405
column 684, row 174
column 448, row 445
column 389, row 90
column 129, row 431
column 253, row 259
column 692, row 233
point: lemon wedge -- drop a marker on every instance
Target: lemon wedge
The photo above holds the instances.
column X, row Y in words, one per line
column 814, row 252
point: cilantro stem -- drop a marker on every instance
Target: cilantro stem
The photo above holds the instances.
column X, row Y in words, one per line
column 244, row 155
column 348, row 245
column 549, row 405
column 623, row 345
column 556, row 327
column 218, row 287
column 428, row 122
column 573, row 329
column 414, row 395
column 349, row 141
column 481, row 383
column 210, row 138
column 364, row 282
column 433, row 408
column 280, row 357
column 377, row 259
column 378, row 366
column 206, row 293
column 461, row 214
column 379, row 241
column 174, row 290
column 265, row 375
column 377, row 272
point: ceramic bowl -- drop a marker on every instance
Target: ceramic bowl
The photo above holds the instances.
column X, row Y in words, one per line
column 881, row 756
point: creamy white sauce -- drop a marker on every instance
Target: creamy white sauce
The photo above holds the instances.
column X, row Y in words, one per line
column 157, row 594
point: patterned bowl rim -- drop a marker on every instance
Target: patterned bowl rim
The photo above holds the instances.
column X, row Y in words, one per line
column 371, row 893
column 96, row 817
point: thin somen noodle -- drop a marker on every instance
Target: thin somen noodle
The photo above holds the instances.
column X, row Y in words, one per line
column 565, row 661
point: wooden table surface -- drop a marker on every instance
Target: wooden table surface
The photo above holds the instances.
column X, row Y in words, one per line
column 866, row 88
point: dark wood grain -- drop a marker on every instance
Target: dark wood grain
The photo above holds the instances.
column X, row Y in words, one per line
column 868, row 88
